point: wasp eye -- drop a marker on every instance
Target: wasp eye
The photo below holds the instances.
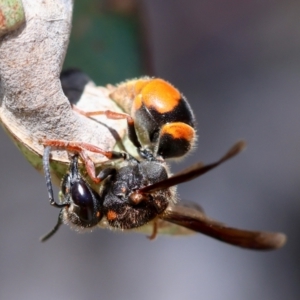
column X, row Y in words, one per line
column 85, row 199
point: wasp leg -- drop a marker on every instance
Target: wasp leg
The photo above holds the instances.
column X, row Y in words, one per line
column 105, row 173
column 81, row 148
column 115, row 116
column 54, row 230
column 154, row 231
column 46, row 156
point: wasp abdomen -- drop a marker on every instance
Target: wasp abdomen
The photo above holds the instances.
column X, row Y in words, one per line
column 164, row 120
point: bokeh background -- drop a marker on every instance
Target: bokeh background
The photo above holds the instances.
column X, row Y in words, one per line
column 238, row 63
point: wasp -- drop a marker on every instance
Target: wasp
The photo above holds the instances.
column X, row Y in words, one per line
column 141, row 190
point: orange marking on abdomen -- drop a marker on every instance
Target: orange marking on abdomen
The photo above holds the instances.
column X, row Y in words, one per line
column 179, row 130
column 160, row 95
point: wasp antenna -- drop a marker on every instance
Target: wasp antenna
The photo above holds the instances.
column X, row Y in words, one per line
column 54, row 230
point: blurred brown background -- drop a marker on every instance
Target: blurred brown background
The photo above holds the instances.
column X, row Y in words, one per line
column 238, row 63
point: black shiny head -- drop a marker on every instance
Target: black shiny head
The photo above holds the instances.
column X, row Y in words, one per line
column 81, row 207
column 84, row 204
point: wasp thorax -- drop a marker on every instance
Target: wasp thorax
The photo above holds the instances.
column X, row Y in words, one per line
column 133, row 209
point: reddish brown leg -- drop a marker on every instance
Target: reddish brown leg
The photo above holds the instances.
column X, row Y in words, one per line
column 114, row 116
column 154, row 231
column 81, row 148
column 108, row 113
column 89, row 166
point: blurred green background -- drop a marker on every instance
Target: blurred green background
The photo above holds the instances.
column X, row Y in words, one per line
column 107, row 40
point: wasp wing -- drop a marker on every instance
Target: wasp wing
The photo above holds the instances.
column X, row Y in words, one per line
column 193, row 171
column 195, row 219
